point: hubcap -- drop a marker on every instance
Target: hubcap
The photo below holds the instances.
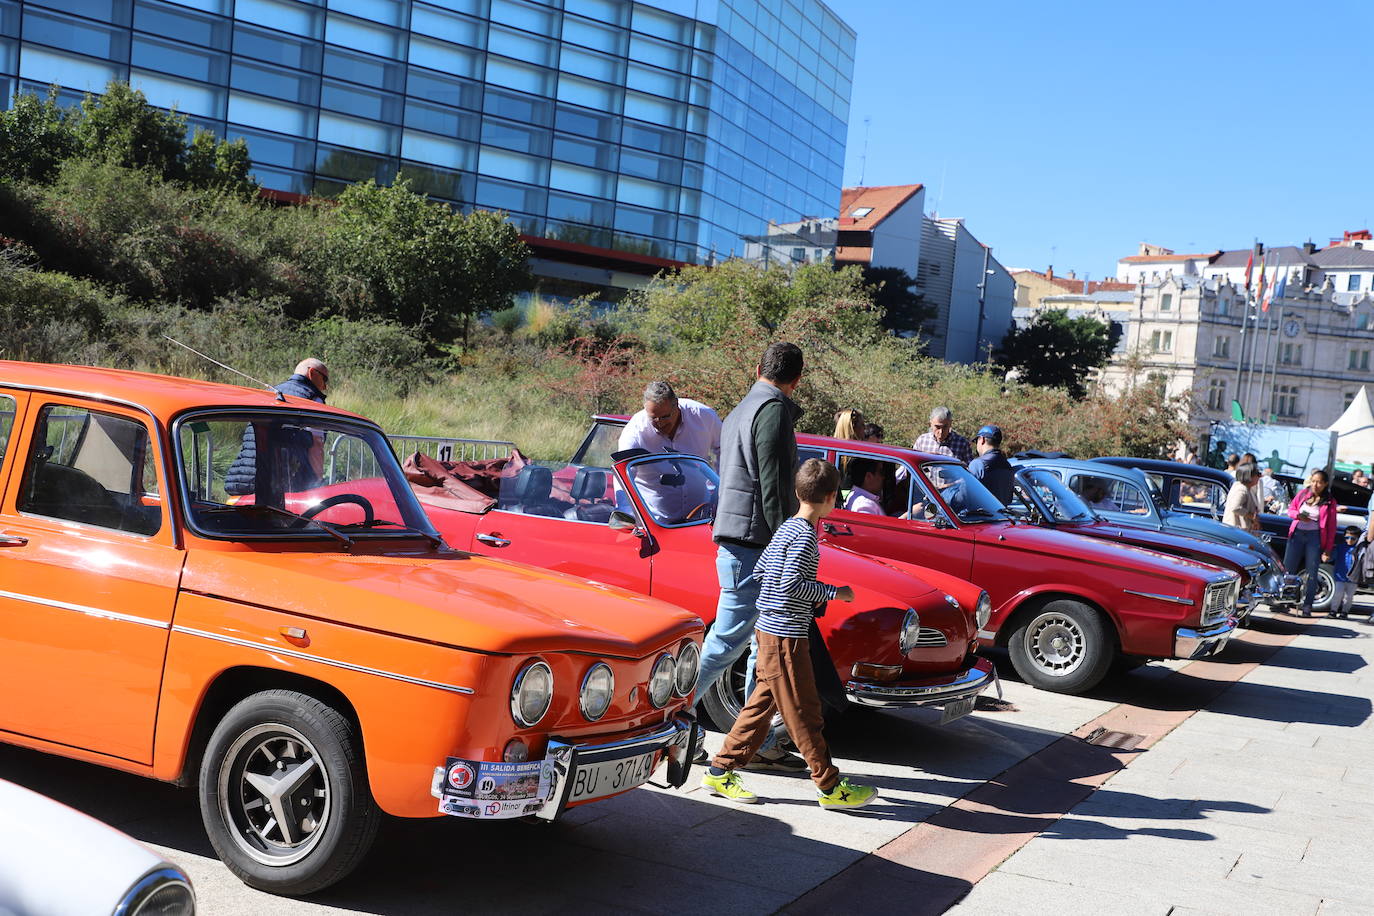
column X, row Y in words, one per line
column 730, row 688
column 1055, row 644
column 274, row 794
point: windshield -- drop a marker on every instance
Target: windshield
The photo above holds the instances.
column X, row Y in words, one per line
column 675, row 489
column 1058, row 502
column 293, row 474
column 965, row 494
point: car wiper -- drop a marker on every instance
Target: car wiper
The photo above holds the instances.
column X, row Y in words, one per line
column 326, row 527
column 433, row 539
column 976, row 512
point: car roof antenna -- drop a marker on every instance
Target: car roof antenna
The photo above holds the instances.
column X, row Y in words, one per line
column 280, row 396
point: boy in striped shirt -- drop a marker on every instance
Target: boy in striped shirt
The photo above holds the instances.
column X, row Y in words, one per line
column 789, row 597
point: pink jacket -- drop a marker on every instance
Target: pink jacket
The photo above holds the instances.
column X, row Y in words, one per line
column 1326, row 519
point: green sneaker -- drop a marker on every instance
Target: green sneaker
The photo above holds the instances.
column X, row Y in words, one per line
column 727, row 785
column 846, row 795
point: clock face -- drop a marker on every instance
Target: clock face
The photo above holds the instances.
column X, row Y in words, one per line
column 1291, row 328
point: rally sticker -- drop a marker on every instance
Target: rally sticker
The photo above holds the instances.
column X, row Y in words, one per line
column 487, row 789
column 460, row 774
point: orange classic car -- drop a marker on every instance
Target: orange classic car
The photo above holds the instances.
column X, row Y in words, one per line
column 229, row 587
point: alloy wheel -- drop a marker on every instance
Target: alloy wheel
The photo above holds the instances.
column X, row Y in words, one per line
column 1055, row 643
column 274, row 792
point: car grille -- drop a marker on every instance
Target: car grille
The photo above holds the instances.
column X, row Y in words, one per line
column 930, row 638
column 1220, row 601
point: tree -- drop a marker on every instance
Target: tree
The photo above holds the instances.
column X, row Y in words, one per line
column 420, row 263
column 121, row 127
column 35, row 137
column 1057, row 351
column 215, row 163
column 904, row 310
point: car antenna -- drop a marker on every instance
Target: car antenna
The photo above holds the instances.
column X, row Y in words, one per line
column 280, row 396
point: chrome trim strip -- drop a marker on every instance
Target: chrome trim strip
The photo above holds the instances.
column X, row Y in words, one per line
column 870, row 693
column 88, row 610
column 564, row 758
column 1188, row 602
column 348, row 666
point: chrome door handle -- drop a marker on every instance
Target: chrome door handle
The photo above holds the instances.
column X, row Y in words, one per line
column 492, row 540
column 836, row 529
column 12, row 540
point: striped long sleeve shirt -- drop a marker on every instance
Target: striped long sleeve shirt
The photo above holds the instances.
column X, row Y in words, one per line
column 788, row 591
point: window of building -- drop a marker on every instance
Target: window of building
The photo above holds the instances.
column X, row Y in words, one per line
column 1221, row 347
column 1359, row 359
column 1216, row 394
column 1352, row 283
column 1162, row 342
column 799, row 255
column 1166, row 302
column 1284, row 402
column 1223, row 305
column 1362, row 321
column 861, row 212
column 1290, row 354
column 1349, row 398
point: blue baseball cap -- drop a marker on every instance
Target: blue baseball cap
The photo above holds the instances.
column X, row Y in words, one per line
column 992, row 433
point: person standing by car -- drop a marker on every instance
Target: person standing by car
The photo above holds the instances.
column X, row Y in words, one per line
column 1345, row 562
column 1312, row 534
column 758, row 452
column 991, row 466
column 1242, row 510
column 942, row 439
column 310, row 381
column 849, row 424
column 668, row 423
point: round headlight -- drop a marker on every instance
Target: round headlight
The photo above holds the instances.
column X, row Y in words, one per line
column 984, row 612
column 661, row 680
column 531, row 694
column 597, row 689
column 911, row 631
column 688, row 666
column 165, row 890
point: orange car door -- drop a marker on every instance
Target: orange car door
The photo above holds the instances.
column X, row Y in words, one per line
column 88, row 578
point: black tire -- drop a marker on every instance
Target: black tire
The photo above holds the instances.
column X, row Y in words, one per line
column 313, row 762
column 1064, row 646
column 724, row 699
column 1326, row 588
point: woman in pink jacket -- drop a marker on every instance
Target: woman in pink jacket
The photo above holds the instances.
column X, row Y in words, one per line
column 1312, row 535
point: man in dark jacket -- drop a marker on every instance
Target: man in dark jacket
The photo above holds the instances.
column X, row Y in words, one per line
column 991, row 466
column 310, row 381
column 758, row 456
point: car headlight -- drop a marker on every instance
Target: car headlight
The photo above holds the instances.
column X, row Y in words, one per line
column 984, row 612
column 165, row 890
column 597, row 689
column 661, row 680
column 911, row 630
column 531, row 694
column 688, row 667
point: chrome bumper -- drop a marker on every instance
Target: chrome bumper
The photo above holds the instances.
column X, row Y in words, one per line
column 967, row 684
column 677, row 737
column 1190, row 643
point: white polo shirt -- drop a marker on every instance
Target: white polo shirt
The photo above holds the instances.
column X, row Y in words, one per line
column 860, row 500
column 698, row 433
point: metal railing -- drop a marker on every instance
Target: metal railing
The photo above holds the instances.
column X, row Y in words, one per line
column 444, row 449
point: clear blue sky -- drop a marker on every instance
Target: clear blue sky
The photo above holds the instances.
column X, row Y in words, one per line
column 1093, row 126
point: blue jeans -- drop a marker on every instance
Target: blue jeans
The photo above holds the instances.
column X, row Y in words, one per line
column 1304, row 552
column 736, row 613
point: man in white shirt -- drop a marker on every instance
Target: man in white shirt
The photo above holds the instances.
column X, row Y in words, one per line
column 672, row 424
column 867, row 482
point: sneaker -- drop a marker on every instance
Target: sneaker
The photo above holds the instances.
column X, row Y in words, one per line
column 777, row 760
column 727, row 785
column 846, row 795
column 1305, row 612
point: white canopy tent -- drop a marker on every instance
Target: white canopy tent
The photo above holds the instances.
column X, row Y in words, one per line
column 1355, row 431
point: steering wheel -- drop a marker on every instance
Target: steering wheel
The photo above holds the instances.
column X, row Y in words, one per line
column 339, row 499
column 692, row 515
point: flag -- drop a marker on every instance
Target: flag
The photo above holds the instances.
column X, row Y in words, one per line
column 1281, row 287
column 1249, row 266
column 1259, row 295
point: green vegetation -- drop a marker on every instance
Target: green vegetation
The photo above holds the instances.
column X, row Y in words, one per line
column 1057, row 351
column 116, row 231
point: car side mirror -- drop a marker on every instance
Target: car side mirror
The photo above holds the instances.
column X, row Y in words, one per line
column 624, row 521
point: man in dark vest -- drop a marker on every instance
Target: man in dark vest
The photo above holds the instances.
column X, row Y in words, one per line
column 310, row 380
column 991, row 466
column 758, row 456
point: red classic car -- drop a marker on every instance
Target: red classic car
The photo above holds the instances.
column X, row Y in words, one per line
column 644, row 524
column 1065, row 606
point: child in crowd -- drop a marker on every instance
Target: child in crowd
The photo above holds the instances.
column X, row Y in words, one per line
column 789, row 596
column 1345, row 559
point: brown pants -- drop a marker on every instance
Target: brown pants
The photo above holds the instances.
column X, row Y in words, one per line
column 787, row 683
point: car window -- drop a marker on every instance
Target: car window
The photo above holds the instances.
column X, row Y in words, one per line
column 1060, row 502
column 675, row 489
column 602, row 441
column 1110, row 495
column 279, row 473
column 965, row 494
column 805, row 452
column 91, row 467
column 7, row 409
column 889, row 485
column 575, row 492
column 1198, row 496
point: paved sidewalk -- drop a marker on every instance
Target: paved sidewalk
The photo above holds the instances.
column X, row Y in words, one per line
column 1260, row 803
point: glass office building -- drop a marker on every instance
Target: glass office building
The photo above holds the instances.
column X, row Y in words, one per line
column 671, row 129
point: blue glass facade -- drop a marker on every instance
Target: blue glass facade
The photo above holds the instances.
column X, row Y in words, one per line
column 672, row 128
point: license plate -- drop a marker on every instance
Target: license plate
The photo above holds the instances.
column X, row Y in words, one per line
column 957, row 709
column 595, row 780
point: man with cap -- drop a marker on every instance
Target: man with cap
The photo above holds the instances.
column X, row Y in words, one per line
column 991, row 466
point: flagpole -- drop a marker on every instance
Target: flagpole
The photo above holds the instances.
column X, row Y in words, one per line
column 1255, row 345
column 1244, row 321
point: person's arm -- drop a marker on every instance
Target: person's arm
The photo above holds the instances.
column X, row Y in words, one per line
column 1295, row 506
column 712, row 419
column 629, row 435
column 978, row 468
column 1328, row 526
column 776, row 490
column 795, row 585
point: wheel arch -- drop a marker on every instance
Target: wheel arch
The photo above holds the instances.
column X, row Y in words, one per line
column 237, row 683
column 1032, row 603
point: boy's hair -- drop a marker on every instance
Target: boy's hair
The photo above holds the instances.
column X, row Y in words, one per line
column 817, row 481
column 1350, row 528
